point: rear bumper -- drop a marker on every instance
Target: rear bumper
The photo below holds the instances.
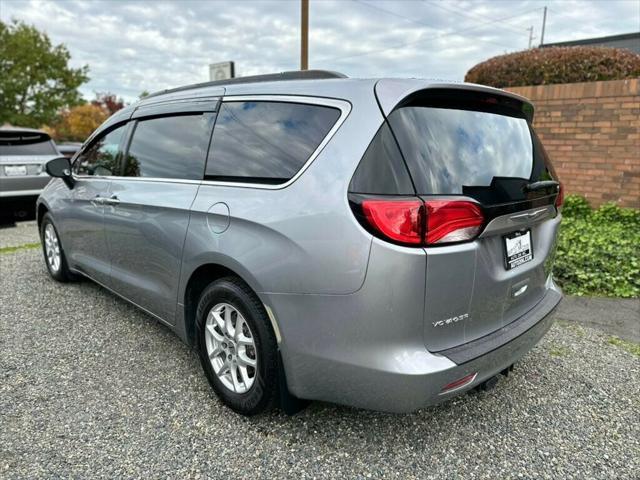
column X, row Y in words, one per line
column 403, row 377
column 29, row 186
column 18, row 196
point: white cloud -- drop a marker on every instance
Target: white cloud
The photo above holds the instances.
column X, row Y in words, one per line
column 150, row 45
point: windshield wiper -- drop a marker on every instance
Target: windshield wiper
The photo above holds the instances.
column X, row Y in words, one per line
column 541, row 185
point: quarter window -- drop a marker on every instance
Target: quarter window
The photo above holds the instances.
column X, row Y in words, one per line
column 101, row 158
column 169, row 147
column 266, row 142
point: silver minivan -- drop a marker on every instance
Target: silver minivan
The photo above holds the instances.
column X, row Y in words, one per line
column 380, row 243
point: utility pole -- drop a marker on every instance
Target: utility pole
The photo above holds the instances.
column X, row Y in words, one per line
column 304, row 35
column 531, row 37
column 544, row 24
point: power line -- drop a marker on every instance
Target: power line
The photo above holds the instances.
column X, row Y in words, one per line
column 389, row 12
column 417, row 22
column 395, row 47
column 472, row 16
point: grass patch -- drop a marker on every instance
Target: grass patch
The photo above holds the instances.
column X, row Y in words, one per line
column 571, row 326
column 559, row 351
column 26, row 246
column 598, row 250
column 633, row 348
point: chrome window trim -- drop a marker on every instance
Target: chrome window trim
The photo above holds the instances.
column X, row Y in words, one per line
column 343, row 105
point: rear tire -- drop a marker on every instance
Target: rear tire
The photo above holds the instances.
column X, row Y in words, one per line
column 237, row 347
column 54, row 257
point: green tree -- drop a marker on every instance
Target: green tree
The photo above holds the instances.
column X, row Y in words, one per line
column 36, row 80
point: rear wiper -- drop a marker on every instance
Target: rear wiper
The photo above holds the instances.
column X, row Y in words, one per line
column 541, row 185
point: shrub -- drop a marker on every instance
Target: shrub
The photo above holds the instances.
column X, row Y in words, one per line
column 576, row 206
column 544, row 66
column 598, row 250
column 610, row 213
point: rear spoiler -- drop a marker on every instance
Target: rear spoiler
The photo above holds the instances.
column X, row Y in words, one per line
column 392, row 93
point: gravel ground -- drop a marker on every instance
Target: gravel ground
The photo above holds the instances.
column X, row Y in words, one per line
column 22, row 233
column 92, row 388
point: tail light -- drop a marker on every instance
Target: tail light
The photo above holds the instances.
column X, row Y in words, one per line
column 452, row 221
column 560, row 197
column 416, row 222
column 399, row 220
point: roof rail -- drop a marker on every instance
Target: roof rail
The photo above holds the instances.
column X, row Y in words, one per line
column 271, row 77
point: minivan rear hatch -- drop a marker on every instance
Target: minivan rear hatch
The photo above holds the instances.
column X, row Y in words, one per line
column 476, row 146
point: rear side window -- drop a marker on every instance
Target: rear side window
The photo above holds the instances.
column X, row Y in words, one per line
column 169, row 147
column 266, row 142
column 25, row 143
column 486, row 150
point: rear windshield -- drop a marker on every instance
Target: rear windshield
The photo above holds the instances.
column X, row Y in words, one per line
column 452, row 152
column 25, row 144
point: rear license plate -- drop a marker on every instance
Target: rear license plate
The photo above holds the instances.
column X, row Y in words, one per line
column 517, row 249
column 15, row 170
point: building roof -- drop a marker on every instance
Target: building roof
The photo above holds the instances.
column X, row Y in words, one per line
column 603, row 41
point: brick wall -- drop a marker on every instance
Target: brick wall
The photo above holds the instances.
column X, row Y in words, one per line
column 592, row 133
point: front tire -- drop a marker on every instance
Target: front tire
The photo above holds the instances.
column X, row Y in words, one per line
column 237, row 347
column 54, row 256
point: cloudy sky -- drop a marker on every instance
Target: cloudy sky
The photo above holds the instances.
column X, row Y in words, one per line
column 131, row 46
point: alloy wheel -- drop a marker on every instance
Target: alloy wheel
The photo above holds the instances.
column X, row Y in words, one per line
column 52, row 247
column 231, row 348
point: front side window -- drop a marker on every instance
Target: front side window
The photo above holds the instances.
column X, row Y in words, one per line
column 266, row 142
column 101, row 158
column 169, row 147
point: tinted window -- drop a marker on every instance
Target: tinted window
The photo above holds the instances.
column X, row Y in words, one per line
column 382, row 170
column 266, row 141
column 25, row 144
column 169, row 147
column 449, row 151
column 101, row 157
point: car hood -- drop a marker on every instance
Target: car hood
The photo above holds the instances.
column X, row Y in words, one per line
column 12, row 159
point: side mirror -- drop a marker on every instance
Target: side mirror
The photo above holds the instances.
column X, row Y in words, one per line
column 60, row 168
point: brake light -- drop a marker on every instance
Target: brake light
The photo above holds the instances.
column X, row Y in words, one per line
column 399, row 220
column 422, row 223
column 560, row 196
column 452, row 221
